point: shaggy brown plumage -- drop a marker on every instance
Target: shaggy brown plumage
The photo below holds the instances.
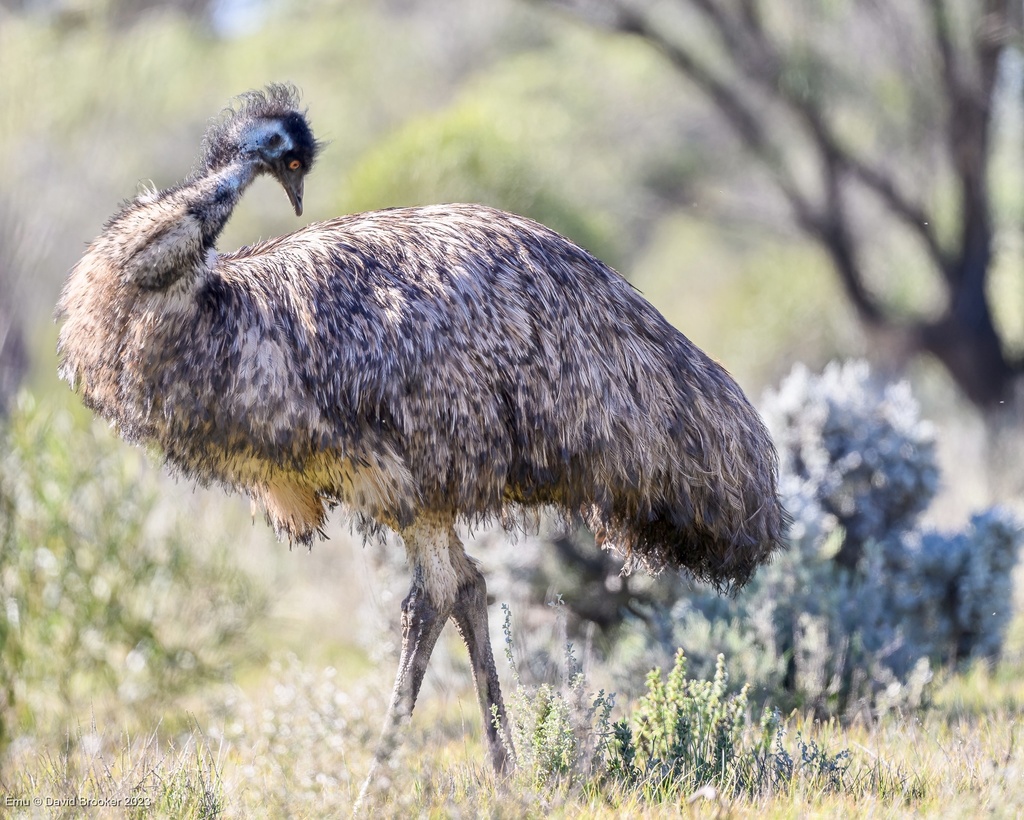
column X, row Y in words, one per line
column 420, row 366
column 453, row 359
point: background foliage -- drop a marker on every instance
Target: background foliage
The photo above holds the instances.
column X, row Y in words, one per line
column 106, row 605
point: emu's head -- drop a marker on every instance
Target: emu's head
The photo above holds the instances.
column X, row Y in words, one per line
column 268, row 131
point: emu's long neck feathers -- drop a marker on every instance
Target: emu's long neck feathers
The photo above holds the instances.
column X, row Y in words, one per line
column 162, row 238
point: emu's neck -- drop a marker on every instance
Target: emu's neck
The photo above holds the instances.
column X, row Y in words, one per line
column 163, row 238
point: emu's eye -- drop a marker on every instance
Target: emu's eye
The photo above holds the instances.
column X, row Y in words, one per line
column 294, row 165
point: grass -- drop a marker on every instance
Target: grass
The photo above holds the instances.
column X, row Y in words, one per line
column 299, row 741
column 133, row 779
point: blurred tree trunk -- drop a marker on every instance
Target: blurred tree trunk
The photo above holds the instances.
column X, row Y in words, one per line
column 13, row 357
column 800, row 80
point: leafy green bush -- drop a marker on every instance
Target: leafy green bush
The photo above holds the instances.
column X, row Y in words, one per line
column 682, row 736
column 557, row 735
column 687, row 731
column 687, row 735
column 103, row 595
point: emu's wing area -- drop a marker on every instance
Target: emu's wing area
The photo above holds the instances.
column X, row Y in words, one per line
column 508, row 367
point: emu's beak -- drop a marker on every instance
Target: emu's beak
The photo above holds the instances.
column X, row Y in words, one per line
column 293, row 187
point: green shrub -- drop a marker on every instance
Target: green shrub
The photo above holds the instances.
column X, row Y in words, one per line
column 687, row 735
column 104, row 595
column 470, row 153
column 559, row 733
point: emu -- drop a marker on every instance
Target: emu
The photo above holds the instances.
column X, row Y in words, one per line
column 423, row 368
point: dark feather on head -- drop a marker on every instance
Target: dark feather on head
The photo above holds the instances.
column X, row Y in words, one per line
column 278, row 101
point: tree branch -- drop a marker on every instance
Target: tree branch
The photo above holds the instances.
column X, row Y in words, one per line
column 964, row 338
column 744, row 122
column 761, row 63
column 944, row 45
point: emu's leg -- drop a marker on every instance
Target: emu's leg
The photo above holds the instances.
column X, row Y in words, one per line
column 446, row 583
column 421, row 626
column 470, row 616
column 422, row 623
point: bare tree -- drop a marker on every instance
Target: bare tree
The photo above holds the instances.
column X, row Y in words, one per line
column 875, row 122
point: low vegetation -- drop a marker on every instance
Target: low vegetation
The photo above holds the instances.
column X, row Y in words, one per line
column 105, row 602
column 298, row 745
column 868, row 601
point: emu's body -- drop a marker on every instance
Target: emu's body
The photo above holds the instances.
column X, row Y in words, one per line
column 420, row 367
